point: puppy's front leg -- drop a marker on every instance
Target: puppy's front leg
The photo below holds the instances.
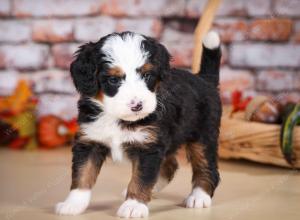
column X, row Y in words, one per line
column 145, row 170
column 88, row 158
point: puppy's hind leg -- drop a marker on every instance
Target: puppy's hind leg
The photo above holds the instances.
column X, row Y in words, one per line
column 88, row 158
column 205, row 175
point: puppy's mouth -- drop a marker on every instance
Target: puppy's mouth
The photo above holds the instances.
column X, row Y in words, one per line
column 134, row 116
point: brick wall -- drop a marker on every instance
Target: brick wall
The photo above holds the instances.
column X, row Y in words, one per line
column 261, row 42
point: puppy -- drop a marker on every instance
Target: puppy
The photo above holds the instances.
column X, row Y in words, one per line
column 134, row 104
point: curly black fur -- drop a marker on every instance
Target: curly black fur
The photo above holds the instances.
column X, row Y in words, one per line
column 189, row 109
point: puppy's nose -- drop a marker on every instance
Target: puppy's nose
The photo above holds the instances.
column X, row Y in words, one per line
column 137, row 107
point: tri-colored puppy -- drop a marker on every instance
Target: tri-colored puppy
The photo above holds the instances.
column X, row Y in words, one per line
column 134, row 104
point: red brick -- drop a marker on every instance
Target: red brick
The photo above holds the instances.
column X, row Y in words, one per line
column 24, row 57
column 8, row 82
column 264, row 55
column 2, row 59
column 231, row 29
column 146, row 26
column 258, row 7
column 92, row 29
column 275, row 80
column 224, row 58
column 143, row 7
column 14, row 31
column 235, row 79
column 65, row 106
column 297, row 81
column 51, row 80
column 52, row 30
column 195, row 8
column 180, row 46
column 287, row 8
column 61, row 8
column 286, row 97
column 182, row 54
column 173, row 35
column 232, row 7
column 270, row 29
column 296, row 37
column 63, row 54
column 5, row 7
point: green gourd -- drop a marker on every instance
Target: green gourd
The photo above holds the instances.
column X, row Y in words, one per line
column 291, row 117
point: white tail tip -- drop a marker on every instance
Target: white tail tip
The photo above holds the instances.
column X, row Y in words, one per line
column 211, row 40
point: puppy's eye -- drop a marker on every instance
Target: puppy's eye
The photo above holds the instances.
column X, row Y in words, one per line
column 113, row 80
column 147, row 77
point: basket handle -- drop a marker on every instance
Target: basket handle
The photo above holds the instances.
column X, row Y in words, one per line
column 203, row 26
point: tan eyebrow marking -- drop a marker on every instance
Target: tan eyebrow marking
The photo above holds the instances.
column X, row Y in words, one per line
column 145, row 68
column 116, row 71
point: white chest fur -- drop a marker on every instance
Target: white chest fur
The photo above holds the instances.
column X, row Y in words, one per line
column 106, row 130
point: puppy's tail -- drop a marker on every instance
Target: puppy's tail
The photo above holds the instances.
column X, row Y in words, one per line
column 211, row 58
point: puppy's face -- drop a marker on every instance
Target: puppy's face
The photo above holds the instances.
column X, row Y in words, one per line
column 123, row 71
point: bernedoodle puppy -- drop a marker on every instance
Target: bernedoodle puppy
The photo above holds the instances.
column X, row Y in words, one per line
column 134, row 104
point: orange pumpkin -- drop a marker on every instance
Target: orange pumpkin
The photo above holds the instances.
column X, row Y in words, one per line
column 52, row 132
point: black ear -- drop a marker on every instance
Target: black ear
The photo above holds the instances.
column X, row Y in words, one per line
column 162, row 56
column 84, row 70
column 159, row 54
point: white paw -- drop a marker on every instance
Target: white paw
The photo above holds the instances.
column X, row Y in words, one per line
column 198, row 199
column 131, row 208
column 76, row 203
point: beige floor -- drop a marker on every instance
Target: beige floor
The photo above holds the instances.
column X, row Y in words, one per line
column 32, row 182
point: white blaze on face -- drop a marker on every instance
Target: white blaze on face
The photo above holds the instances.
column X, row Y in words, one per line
column 127, row 54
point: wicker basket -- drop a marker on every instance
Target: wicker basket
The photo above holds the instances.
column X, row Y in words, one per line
column 241, row 139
